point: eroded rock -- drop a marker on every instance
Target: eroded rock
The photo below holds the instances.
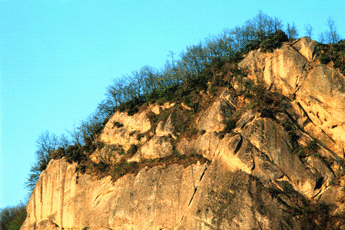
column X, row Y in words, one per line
column 251, row 165
column 156, row 147
column 196, row 197
column 213, row 118
column 319, row 90
column 271, row 139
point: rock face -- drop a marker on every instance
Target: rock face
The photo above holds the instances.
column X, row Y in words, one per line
column 196, row 197
column 261, row 174
column 317, row 89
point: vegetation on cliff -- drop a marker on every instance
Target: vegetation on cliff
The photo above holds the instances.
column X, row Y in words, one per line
column 176, row 82
column 206, row 67
column 12, row 218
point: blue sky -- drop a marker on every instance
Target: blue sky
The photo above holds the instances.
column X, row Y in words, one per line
column 58, row 57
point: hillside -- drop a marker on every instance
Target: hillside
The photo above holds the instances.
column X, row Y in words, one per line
column 254, row 145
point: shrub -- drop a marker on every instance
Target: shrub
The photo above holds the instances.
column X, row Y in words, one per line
column 58, row 154
column 131, row 105
column 74, row 153
column 167, row 94
column 273, row 41
column 324, row 58
column 117, row 148
column 264, row 101
column 333, row 52
column 12, row 218
column 100, row 144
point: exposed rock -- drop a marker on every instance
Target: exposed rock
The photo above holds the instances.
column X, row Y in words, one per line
column 306, row 47
column 271, row 139
column 322, row 96
column 155, row 198
column 213, row 118
column 298, row 114
column 226, row 95
column 261, row 167
column 156, row 147
column 317, row 163
column 245, row 119
column 334, row 195
column 196, row 197
column 205, row 145
column 283, row 69
column 157, row 109
column 47, row 224
column 320, row 91
column 119, row 128
column 166, row 128
column 227, row 199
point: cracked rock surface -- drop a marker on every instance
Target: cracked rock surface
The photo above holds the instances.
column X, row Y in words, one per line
column 262, row 173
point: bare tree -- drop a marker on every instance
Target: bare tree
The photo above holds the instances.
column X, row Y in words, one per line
column 76, row 136
column 292, row 31
column 12, row 217
column 308, row 30
column 322, row 39
column 261, row 21
column 171, row 54
column 278, row 25
column 63, row 141
column 332, row 35
column 46, row 144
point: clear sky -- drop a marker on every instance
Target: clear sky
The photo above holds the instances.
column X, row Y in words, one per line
column 57, row 57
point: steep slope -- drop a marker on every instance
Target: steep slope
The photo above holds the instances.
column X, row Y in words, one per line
column 316, row 88
column 264, row 161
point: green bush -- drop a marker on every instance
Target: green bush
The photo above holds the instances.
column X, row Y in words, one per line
column 324, row 58
column 333, row 52
column 231, row 124
column 167, row 94
column 132, row 133
column 273, row 41
column 12, row 218
column 132, row 105
column 74, row 153
column 264, row 101
column 58, row 154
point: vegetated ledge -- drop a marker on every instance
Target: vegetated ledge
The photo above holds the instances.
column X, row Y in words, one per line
column 120, row 169
column 116, row 171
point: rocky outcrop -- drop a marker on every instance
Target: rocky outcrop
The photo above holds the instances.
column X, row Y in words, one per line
column 196, row 197
column 318, row 89
column 121, row 127
column 263, row 170
column 213, row 118
column 154, row 198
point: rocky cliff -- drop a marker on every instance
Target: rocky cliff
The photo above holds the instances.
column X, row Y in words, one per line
column 273, row 160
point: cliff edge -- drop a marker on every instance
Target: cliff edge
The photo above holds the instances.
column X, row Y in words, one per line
column 265, row 153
